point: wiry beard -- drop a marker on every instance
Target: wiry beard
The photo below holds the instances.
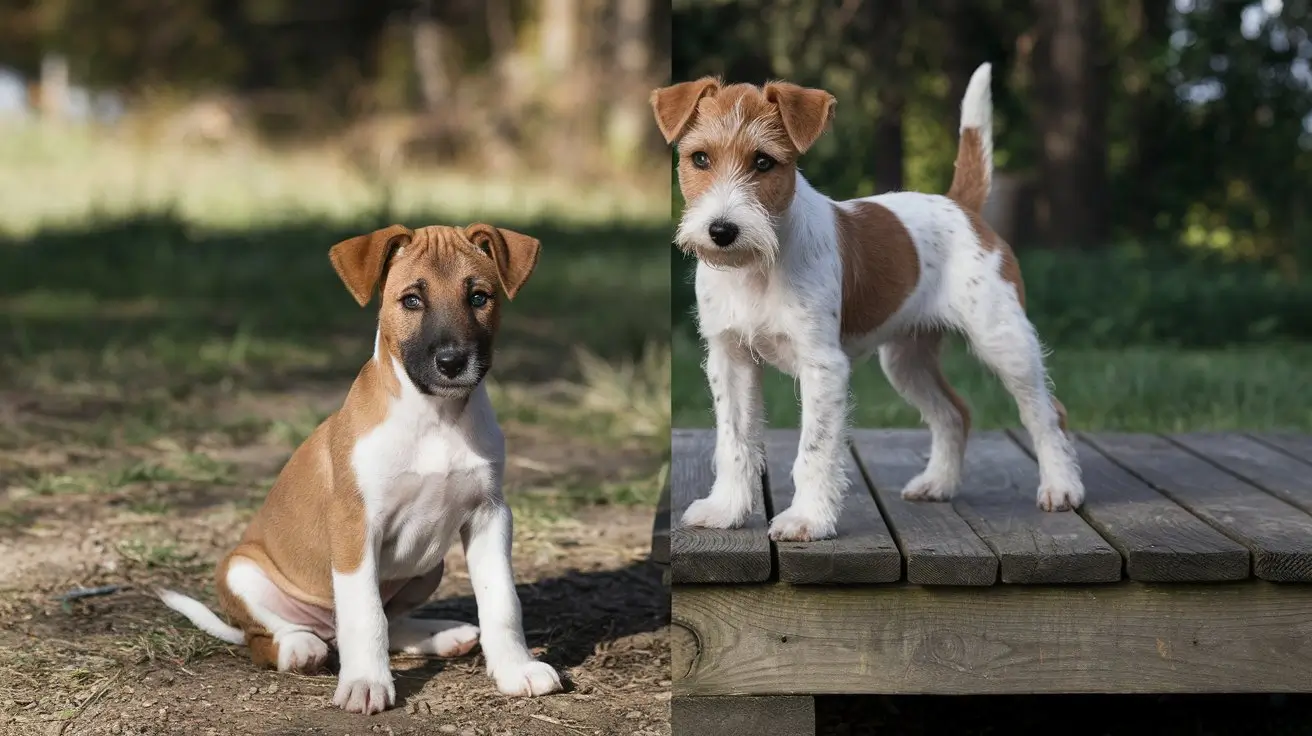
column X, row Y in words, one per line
column 733, row 200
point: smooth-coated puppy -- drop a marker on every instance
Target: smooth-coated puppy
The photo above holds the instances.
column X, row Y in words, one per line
column 352, row 537
column 791, row 277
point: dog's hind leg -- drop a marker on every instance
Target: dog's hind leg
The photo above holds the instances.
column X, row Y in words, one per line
column 435, row 637
column 1006, row 341
column 911, row 364
column 293, row 633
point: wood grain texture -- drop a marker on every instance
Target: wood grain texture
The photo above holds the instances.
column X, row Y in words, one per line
column 1297, row 446
column 1129, row 637
column 939, row 547
column 1278, row 535
column 780, row 715
column 1271, row 470
column 863, row 551
column 711, row 555
column 1160, row 540
column 997, row 499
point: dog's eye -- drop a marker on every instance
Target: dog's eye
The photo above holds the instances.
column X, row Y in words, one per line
column 763, row 162
column 478, row 299
column 701, row 160
column 412, row 302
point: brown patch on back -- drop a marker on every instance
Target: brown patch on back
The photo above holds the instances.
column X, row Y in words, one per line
column 880, row 265
column 970, row 180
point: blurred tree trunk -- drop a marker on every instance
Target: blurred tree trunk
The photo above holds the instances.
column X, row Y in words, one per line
column 885, row 27
column 1151, row 100
column 567, row 66
column 1070, row 96
column 628, row 113
column 430, row 49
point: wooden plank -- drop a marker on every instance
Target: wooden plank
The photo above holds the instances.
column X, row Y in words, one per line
column 863, row 551
column 743, row 716
column 1160, row 540
column 1128, row 637
column 938, row 545
column 1298, row 446
column 1271, row 470
column 997, row 499
column 1278, row 535
column 711, row 555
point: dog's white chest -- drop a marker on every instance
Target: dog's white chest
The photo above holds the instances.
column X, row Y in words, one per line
column 422, row 476
column 762, row 313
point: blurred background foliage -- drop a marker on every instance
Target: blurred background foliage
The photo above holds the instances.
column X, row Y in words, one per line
column 1153, row 156
column 423, row 104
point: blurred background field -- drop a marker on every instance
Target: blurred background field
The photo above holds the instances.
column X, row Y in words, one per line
column 172, row 176
column 1153, row 160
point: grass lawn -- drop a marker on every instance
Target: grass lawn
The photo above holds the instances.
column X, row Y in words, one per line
column 1143, row 389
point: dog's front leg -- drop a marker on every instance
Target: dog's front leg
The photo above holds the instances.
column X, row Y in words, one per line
column 364, row 684
column 820, row 471
column 735, row 379
column 487, row 538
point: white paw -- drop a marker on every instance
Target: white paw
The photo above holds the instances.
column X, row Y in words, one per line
column 364, row 695
column 712, row 513
column 927, row 487
column 530, row 679
column 1061, row 497
column 456, row 642
column 798, row 525
column 301, row 651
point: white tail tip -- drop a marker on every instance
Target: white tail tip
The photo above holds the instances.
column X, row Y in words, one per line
column 977, row 103
column 201, row 616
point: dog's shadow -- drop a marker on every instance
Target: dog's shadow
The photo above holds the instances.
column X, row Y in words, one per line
column 568, row 616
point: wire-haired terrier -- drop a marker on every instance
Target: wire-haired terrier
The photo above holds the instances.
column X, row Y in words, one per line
column 789, row 276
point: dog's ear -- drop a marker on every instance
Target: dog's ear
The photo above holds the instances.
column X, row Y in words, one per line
column 805, row 112
column 675, row 106
column 514, row 254
column 361, row 260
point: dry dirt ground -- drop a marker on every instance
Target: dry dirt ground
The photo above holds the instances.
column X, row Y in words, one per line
column 91, row 499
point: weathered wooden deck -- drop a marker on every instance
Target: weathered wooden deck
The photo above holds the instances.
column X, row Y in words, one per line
column 1181, row 573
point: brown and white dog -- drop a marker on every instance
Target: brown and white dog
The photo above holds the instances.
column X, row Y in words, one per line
column 352, row 537
column 791, row 277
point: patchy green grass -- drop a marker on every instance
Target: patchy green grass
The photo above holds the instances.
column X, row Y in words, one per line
column 62, row 174
column 1148, row 389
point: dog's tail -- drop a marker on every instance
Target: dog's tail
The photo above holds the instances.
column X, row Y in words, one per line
column 974, row 172
column 204, row 618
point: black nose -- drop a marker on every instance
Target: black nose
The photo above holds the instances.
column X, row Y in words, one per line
column 451, row 362
column 723, row 233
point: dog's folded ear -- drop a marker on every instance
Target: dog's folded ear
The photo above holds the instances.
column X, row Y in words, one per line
column 360, row 261
column 675, row 106
column 515, row 254
column 805, row 112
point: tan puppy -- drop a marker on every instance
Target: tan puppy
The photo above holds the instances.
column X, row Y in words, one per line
column 788, row 276
column 352, row 536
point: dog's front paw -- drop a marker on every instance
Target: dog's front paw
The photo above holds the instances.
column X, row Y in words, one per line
column 929, row 487
column 713, row 513
column 364, row 695
column 528, row 680
column 797, row 525
column 1061, row 498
